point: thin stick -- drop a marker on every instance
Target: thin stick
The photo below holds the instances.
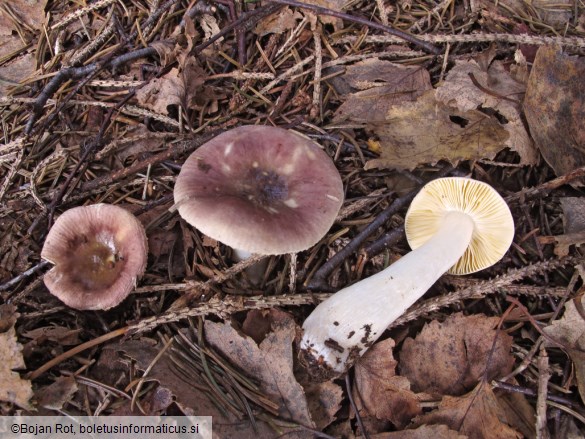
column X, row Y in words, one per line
column 538, row 40
column 246, row 20
column 354, row 406
column 319, row 280
column 387, row 29
column 513, row 388
column 23, row 275
column 543, row 379
column 76, row 350
column 225, row 306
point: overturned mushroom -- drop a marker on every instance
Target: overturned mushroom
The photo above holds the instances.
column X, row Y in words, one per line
column 261, row 190
column 99, row 251
column 453, row 224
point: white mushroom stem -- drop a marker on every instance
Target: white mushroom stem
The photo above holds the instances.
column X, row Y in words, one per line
column 240, row 255
column 255, row 272
column 342, row 327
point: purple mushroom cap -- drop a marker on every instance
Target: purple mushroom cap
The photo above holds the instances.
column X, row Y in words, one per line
column 99, row 252
column 260, row 189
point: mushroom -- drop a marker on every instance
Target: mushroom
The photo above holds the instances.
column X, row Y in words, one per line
column 260, row 189
column 456, row 225
column 98, row 252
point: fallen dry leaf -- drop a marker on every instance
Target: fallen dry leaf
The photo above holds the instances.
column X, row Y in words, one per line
column 166, row 51
column 555, row 108
column 520, row 414
column 153, row 403
column 573, row 214
column 573, row 224
column 555, row 13
column 162, row 242
column 380, row 85
column 56, row 395
column 450, row 358
column 143, row 351
column 270, row 362
column 8, row 317
column 476, row 414
column 324, row 402
column 13, row 389
column 258, row 323
column 20, row 61
column 28, row 12
column 426, row 131
column 188, row 398
column 335, row 5
column 14, row 258
column 495, row 91
column 379, row 392
column 564, row 242
column 193, row 77
column 162, row 92
column 58, row 334
column 550, row 12
column 138, row 141
column 18, row 67
column 569, row 331
column 181, row 87
column 281, row 21
column 422, row 432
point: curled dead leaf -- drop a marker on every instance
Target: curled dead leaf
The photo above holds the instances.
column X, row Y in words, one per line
column 270, row 363
column 379, row 392
column 426, row 131
column 569, row 331
column 377, row 85
column 162, row 92
column 281, row 21
column 476, row 414
column 57, row 394
column 471, row 85
column 13, row 388
column 450, row 358
column 555, row 108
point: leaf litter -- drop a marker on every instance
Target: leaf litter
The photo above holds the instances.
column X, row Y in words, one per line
column 13, row 388
column 450, row 357
column 385, row 112
column 555, row 108
column 476, row 414
column 380, row 392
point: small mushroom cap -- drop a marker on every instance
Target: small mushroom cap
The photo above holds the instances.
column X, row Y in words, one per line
column 99, row 252
column 261, row 189
column 493, row 223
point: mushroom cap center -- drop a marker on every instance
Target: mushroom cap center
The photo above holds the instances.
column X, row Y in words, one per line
column 97, row 262
column 267, row 189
